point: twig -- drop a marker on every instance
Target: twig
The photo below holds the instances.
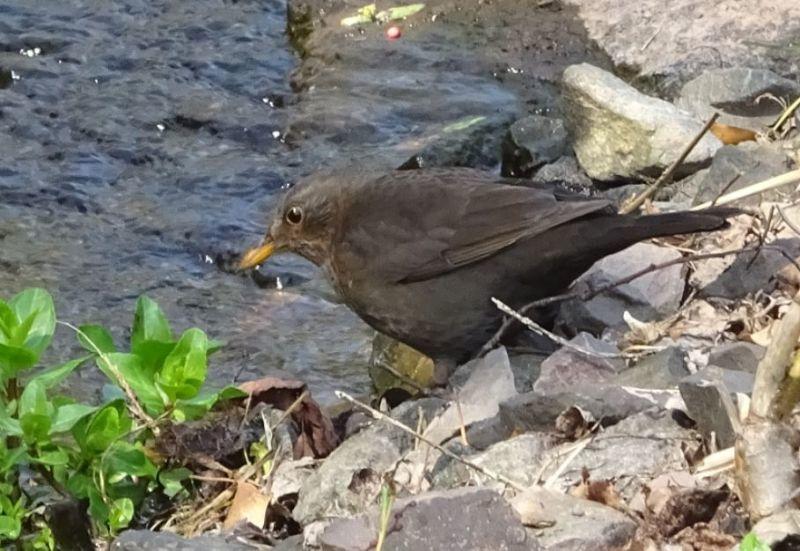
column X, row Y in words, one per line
column 394, row 422
column 536, row 328
column 586, row 296
column 788, row 222
column 726, row 188
column 135, row 406
column 652, row 37
column 772, row 369
column 407, row 380
column 579, row 446
column 666, row 176
column 787, row 113
column 792, row 177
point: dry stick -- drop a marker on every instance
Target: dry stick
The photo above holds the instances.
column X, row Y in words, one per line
column 394, row 422
column 586, row 296
column 788, row 222
column 639, row 200
column 536, row 328
column 754, row 189
column 773, row 366
column 725, row 189
column 135, row 406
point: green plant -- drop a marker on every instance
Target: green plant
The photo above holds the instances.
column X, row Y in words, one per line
column 751, row 543
column 96, row 453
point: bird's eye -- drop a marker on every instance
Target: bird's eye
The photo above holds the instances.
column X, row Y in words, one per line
column 294, row 215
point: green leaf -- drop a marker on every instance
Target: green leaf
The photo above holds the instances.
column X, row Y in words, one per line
column 79, row 485
column 214, row 346
column 126, row 458
column 196, row 407
column 751, row 543
column 98, row 509
column 54, row 376
column 14, row 359
column 10, row 528
column 39, row 304
column 129, row 367
column 172, row 480
column 35, row 411
column 120, row 513
column 66, row 416
column 184, row 370
column 12, row 457
column 8, row 424
column 8, row 321
column 53, row 457
column 96, row 337
column 399, row 12
column 96, row 433
column 149, row 323
column 153, row 354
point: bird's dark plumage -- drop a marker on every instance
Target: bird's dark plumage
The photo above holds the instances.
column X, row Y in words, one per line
column 419, row 254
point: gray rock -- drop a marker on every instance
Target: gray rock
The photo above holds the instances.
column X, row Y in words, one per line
column 514, row 458
column 471, row 142
column 532, row 142
column 135, row 540
column 349, row 479
column 490, row 431
column 567, row 369
column 670, row 47
column 607, row 403
column 737, row 355
column 573, row 523
column 664, row 369
column 746, row 275
column 292, row 543
column 755, row 162
column 565, row 172
column 621, row 134
column 630, row 453
column 708, row 401
column 647, row 298
column 465, row 518
column 775, row 528
column 526, row 368
column 733, row 92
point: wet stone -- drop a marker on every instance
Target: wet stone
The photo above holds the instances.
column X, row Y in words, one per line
column 564, row 172
column 146, row 540
column 530, row 143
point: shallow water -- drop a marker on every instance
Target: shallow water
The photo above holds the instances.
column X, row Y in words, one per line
column 144, row 141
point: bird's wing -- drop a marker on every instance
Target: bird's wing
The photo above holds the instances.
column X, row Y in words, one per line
column 414, row 225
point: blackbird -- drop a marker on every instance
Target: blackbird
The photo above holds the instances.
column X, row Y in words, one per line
column 418, row 254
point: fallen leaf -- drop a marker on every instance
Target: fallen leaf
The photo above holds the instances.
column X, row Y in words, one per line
column 248, row 505
column 732, row 135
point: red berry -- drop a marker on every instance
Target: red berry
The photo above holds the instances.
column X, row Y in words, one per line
column 393, row 32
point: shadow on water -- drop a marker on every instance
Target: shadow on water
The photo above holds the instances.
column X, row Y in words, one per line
column 144, row 141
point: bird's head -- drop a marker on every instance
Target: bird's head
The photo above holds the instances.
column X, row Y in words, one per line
column 303, row 223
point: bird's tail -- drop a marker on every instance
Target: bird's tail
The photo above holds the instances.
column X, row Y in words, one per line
column 673, row 223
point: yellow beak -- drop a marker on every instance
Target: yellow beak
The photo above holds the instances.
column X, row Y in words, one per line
column 257, row 255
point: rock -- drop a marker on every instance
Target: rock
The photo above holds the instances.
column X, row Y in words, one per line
column 708, row 401
column 773, row 529
column 647, row 298
column 391, row 353
column 473, row 142
column 733, row 92
column 621, row 134
column 607, row 403
column 349, row 479
column 746, row 276
column 567, row 522
column 630, row 453
column 490, row 431
column 755, row 162
column 514, row 458
column 566, row 173
column 737, row 355
column 465, row 518
column 136, row 540
column 567, row 369
column 526, row 368
column 664, row 369
column 669, row 47
column 532, row 142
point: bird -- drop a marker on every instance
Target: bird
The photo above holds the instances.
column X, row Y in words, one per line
column 419, row 254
